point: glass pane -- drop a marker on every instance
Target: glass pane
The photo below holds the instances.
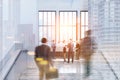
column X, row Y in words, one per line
column 45, row 32
column 82, row 18
column 49, row 33
column 53, row 33
column 82, row 32
column 86, row 28
column 40, row 33
column 62, row 32
column 84, row 23
column 45, row 18
column 86, row 18
column 70, row 18
column 70, row 32
column 53, row 18
column 61, row 18
column 67, row 30
column 49, row 18
column 40, row 18
column 74, row 18
column 48, row 27
column 65, row 18
column 74, row 33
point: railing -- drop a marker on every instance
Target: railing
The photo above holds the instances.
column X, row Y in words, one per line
column 108, row 63
column 7, row 62
column 6, row 58
column 19, row 66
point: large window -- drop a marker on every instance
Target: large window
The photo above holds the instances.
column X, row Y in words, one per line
column 66, row 29
column 47, row 25
column 84, row 22
column 68, row 20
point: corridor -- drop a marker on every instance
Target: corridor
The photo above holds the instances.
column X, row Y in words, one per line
column 25, row 69
column 23, row 23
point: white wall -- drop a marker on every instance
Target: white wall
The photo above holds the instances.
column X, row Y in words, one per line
column 9, row 20
column 62, row 4
column 28, row 16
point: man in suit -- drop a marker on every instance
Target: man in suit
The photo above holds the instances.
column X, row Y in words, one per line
column 43, row 51
column 70, row 51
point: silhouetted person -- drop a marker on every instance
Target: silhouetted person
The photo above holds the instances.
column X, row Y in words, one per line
column 70, row 51
column 64, row 51
column 77, row 50
column 53, row 46
column 87, row 51
column 43, row 51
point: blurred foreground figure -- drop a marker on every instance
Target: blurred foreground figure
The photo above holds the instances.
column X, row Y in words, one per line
column 87, row 51
column 43, row 58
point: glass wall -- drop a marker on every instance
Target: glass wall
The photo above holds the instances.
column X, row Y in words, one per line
column 66, row 29
column 84, row 22
column 68, row 24
column 108, row 30
column 9, row 16
column 47, row 23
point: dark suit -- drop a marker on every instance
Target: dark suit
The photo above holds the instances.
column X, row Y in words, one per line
column 42, row 51
column 70, row 51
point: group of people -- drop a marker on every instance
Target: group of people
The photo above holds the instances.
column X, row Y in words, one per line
column 70, row 53
column 84, row 50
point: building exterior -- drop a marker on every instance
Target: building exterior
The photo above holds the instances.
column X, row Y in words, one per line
column 104, row 20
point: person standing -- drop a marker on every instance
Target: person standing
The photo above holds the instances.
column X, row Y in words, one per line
column 70, row 51
column 77, row 50
column 43, row 51
column 64, row 51
column 53, row 46
column 87, row 50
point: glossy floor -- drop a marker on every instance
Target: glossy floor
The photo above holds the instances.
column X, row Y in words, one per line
column 26, row 69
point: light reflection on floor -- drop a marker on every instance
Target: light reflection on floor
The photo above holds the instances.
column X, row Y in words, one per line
column 67, row 71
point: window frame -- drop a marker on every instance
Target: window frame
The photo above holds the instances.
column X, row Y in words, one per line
column 76, row 26
column 83, row 26
column 47, row 25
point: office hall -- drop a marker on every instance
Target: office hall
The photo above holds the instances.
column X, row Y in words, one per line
column 59, row 39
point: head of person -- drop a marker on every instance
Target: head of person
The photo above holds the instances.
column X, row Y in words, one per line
column 63, row 41
column 70, row 40
column 53, row 40
column 88, row 33
column 44, row 40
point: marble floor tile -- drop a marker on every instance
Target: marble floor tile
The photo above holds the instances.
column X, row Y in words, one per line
column 67, row 71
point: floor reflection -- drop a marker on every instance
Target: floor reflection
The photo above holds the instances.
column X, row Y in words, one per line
column 67, row 71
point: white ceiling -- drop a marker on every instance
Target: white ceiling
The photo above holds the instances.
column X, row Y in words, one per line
column 75, row 4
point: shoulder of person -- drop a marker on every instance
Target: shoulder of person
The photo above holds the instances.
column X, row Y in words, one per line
column 86, row 39
column 47, row 46
column 37, row 46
